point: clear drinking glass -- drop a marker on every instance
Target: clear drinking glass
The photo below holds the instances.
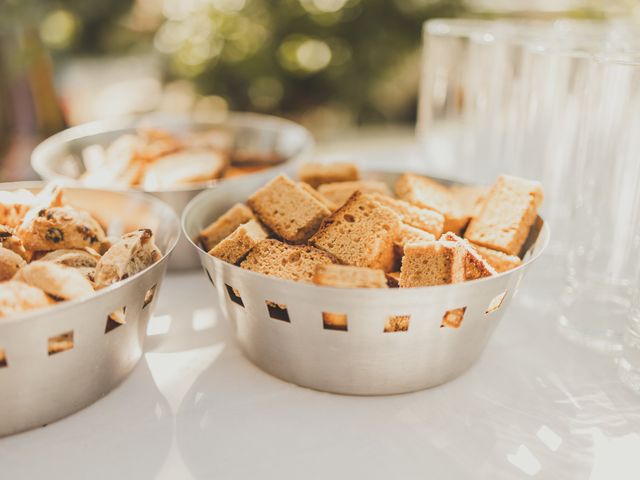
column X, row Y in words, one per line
column 605, row 210
column 505, row 97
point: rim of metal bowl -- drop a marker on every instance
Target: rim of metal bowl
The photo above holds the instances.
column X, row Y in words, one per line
column 40, row 155
column 392, row 292
column 25, row 316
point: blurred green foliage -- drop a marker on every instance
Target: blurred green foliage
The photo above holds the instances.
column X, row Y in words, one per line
column 277, row 56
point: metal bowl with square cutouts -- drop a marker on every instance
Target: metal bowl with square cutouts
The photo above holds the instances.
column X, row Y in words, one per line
column 280, row 324
column 60, row 359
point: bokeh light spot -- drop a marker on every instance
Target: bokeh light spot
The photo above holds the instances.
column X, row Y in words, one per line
column 313, row 55
column 59, row 28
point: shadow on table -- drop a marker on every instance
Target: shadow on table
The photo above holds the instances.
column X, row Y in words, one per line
column 126, row 434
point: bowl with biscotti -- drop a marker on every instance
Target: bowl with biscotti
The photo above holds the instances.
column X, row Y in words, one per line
column 366, row 282
column 80, row 270
column 173, row 157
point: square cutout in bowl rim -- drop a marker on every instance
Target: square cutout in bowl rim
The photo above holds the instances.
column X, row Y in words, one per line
column 149, row 296
column 397, row 323
column 234, row 295
column 335, row 321
column 278, row 311
column 496, row 302
column 453, row 318
column 60, row 343
column 116, row 319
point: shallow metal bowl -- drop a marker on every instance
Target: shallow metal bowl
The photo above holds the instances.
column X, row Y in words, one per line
column 39, row 386
column 298, row 347
column 59, row 156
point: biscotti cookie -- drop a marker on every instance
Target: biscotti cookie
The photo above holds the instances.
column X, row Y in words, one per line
column 507, row 214
column 422, row 218
column 501, row 262
column 346, row 276
column 316, row 174
column 288, row 210
column 16, row 297
column 75, row 258
column 10, row 241
column 360, row 233
column 133, row 253
column 59, row 227
column 16, row 204
column 432, row 263
column 291, row 262
column 236, row 246
column 225, row 225
column 63, row 283
column 182, row 168
column 340, row 192
column 474, row 265
column 10, row 263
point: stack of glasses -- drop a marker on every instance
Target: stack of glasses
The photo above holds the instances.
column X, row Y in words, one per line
column 559, row 102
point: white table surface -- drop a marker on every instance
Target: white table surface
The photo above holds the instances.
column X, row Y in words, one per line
column 534, row 406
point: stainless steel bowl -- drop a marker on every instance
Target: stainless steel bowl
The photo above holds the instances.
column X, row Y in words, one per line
column 39, row 387
column 59, row 156
column 364, row 360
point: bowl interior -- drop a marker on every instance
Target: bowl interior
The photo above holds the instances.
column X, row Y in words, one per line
column 209, row 205
column 262, row 138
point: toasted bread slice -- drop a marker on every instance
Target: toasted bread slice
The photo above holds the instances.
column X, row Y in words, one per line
column 225, row 225
column 318, row 196
column 432, row 263
column 360, row 233
column 466, row 204
column 238, row 244
column 501, row 262
column 288, row 210
column 427, row 193
column 316, row 174
column 508, row 212
column 340, row 192
column 409, row 234
column 422, row 218
column 424, row 192
column 474, row 265
column 346, row 276
column 291, row 262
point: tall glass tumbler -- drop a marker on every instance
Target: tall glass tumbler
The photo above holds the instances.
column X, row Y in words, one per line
column 605, row 210
column 470, row 73
column 505, row 97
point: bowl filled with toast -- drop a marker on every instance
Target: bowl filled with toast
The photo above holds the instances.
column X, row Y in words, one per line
column 79, row 274
column 366, row 283
column 173, row 157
